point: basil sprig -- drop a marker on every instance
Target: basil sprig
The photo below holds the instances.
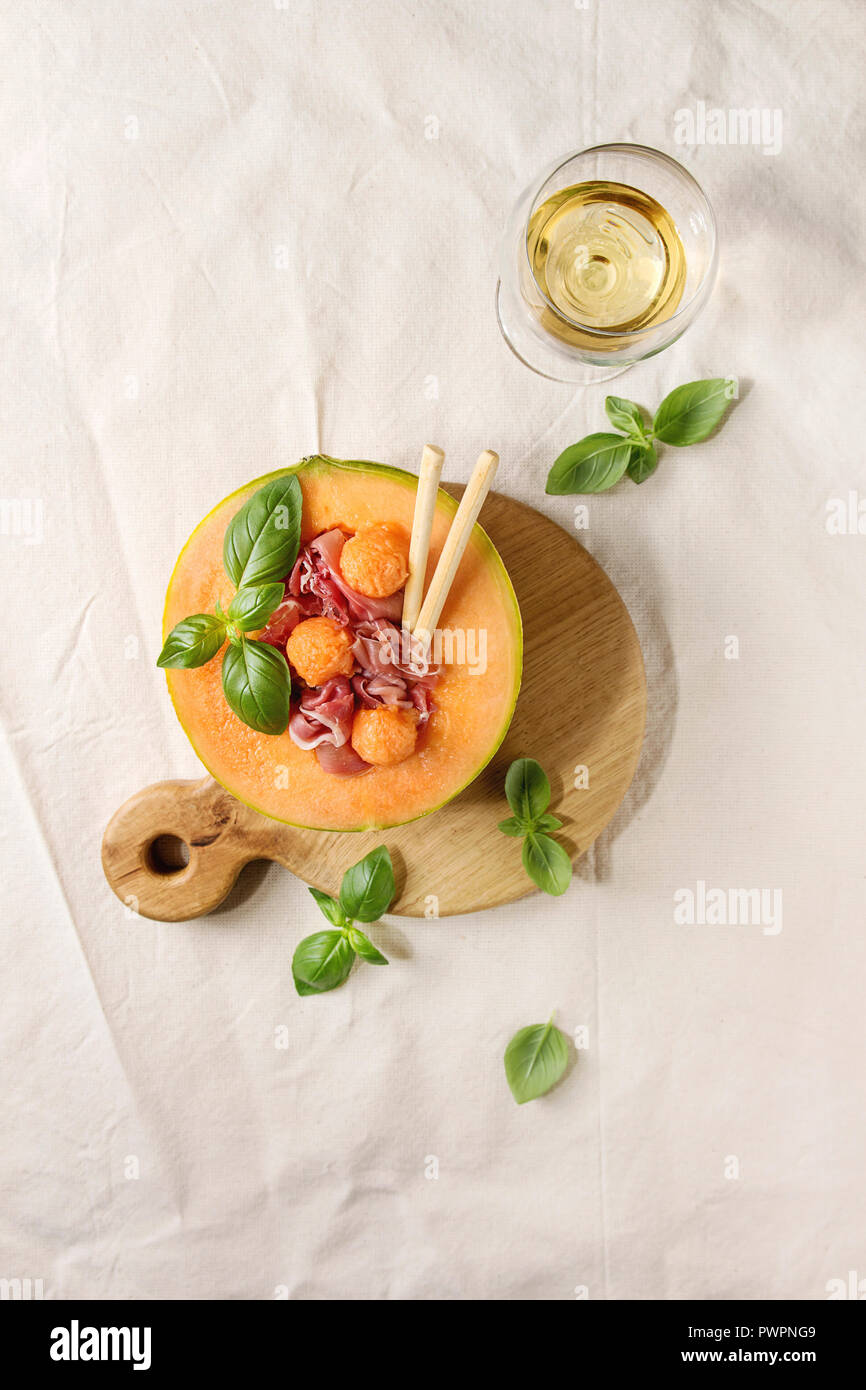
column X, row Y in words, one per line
column 535, row 1059
column 193, row 642
column 592, row 465
column 368, row 887
column 691, row 413
column 253, row 605
column 625, row 415
column 686, row 416
column 322, row 961
column 257, row 684
column 261, row 541
column 528, row 793
column 259, row 549
column 547, row 863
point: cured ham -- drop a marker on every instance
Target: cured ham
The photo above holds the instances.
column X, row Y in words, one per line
column 393, row 668
column 423, row 702
column 324, row 714
column 386, row 650
column 285, row 619
column 341, row 762
column 317, row 573
column 373, row 690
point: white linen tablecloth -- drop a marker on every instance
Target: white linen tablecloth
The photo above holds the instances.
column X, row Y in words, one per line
column 235, row 233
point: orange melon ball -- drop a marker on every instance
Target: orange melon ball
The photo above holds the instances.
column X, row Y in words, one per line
column 319, row 648
column 375, row 561
column 384, row 735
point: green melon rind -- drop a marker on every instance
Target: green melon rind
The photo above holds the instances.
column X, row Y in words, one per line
column 400, row 475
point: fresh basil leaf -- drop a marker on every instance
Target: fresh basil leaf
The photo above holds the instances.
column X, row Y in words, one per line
column 527, row 790
column 547, row 822
column 368, row 887
column 547, row 864
column 321, row 962
column 257, row 685
column 535, row 1059
column 193, row 642
column 691, row 412
column 330, row 907
column 261, row 541
column 514, row 826
column 365, row 948
column 594, row 464
column 643, row 462
column 625, row 415
column 253, row 605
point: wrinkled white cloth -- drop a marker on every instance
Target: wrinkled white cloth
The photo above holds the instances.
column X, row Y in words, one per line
column 233, row 234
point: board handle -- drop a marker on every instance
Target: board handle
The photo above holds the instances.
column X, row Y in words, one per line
column 174, row 850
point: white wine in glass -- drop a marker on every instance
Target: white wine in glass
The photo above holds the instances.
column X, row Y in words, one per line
column 606, row 260
column 607, row 256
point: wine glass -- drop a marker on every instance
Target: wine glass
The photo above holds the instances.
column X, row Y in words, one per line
column 607, row 259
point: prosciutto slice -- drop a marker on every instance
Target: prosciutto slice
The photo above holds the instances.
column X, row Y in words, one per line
column 324, row 715
column 285, row 618
column 396, row 692
column 394, row 669
column 341, row 762
column 373, row 690
column 382, row 649
column 317, row 573
column 423, row 701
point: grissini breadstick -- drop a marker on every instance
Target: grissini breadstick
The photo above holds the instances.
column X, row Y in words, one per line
column 422, row 524
column 455, row 543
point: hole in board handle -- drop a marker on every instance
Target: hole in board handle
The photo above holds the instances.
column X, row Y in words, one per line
column 168, row 854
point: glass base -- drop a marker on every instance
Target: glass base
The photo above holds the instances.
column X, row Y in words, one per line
column 546, row 360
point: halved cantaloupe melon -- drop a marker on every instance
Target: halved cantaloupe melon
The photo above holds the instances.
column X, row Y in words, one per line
column 472, row 708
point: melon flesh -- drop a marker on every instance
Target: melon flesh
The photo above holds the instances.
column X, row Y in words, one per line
column 472, row 711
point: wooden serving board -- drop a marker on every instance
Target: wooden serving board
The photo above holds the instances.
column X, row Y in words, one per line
column 582, row 705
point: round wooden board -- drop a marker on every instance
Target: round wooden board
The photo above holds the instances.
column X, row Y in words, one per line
column 582, row 705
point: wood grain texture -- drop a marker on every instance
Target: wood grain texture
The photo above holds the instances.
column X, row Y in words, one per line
column 582, row 703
